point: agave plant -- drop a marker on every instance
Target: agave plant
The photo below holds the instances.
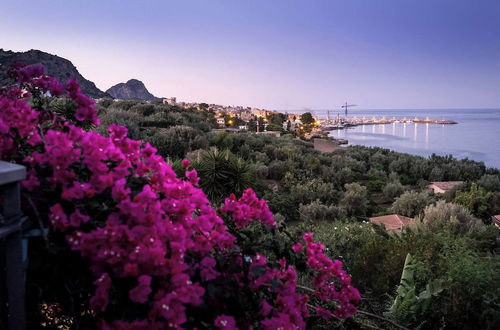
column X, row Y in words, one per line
column 222, row 173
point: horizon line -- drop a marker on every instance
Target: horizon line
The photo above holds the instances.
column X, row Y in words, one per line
column 405, row 109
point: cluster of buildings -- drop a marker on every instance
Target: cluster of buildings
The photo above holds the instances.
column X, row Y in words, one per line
column 397, row 223
column 218, row 108
column 245, row 114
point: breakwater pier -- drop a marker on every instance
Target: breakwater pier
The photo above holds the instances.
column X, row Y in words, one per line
column 341, row 123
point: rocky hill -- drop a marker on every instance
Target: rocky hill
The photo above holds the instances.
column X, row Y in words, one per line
column 56, row 66
column 132, row 89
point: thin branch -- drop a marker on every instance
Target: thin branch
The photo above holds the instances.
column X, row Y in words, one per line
column 314, row 308
column 383, row 319
column 368, row 326
column 361, row 323
column 360, row 312
column 305, row 288
column 39, row 220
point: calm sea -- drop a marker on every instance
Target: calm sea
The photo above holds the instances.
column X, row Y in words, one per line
column 476, row 136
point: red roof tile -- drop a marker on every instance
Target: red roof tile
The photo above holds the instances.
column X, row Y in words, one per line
column 392, row 221
column 496, row 219
column 446, row 185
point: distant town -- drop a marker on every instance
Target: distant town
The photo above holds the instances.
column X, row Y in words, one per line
column 274, row 122
column 241, row 118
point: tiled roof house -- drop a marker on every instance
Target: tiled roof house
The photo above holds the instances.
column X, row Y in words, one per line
column 392, row 222
column 441, row 187
column 496, row 220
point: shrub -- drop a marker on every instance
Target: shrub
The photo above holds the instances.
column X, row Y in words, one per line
column 261, row 170
column 473, row 292
column 490, row 182
column 255, row 143
column 478, row 201
column 314, row 189
column 130, row 120
column 411, row 203
column 393, row 190
column 346, row 175
column 443, row 213
column 355, row 200
column 317, row 211
column 174, row 142
column 378, row 263
column 222, row 140
column 123, row 105
column 105, row 103
column 260, row 157
column 144, row 109
column 274, row 127
column 277, row 169
column 436, row 174
column 160, row 119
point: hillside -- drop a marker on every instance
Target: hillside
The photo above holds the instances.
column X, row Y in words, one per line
column 56, row 66
column 131, row 90
column 446, row 245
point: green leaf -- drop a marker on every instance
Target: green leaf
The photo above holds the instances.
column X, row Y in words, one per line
column 258, row 271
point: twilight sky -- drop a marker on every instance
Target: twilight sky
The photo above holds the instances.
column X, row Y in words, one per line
column 275, row 54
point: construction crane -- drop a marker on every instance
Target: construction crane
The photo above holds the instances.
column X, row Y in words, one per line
column 346, row 106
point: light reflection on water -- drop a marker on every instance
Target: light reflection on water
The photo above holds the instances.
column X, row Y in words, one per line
column 427, row 135
column 476, row 136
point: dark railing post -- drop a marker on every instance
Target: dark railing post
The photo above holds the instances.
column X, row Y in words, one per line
column 12, row 287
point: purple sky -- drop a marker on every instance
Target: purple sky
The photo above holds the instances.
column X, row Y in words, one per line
column 275, row 54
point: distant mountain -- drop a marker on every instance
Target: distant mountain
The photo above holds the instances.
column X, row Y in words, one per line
column 55, row 66
column 132, row 89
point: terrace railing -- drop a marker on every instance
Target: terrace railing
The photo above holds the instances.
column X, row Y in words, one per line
column 12, row 267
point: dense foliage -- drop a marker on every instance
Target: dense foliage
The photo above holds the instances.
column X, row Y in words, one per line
column 159, row 255
column 452, row 244
column 333, row 194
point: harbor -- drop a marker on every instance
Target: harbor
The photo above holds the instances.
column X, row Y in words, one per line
column 330, row 124
column 342, row 123
column 464, row 140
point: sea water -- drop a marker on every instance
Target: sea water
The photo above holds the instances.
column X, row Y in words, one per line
column 476, row 136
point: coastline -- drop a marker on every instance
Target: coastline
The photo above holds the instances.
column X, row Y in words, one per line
column 459, row 155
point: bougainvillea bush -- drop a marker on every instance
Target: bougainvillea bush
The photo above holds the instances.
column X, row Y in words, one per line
column 146, row 247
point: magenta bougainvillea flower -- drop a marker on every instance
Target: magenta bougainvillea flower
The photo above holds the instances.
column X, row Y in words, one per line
column 247, row 209
column 225, row 322
column 163, row 238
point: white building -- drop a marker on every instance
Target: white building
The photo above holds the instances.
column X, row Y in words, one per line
column 170, row 100
column 221, row 122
